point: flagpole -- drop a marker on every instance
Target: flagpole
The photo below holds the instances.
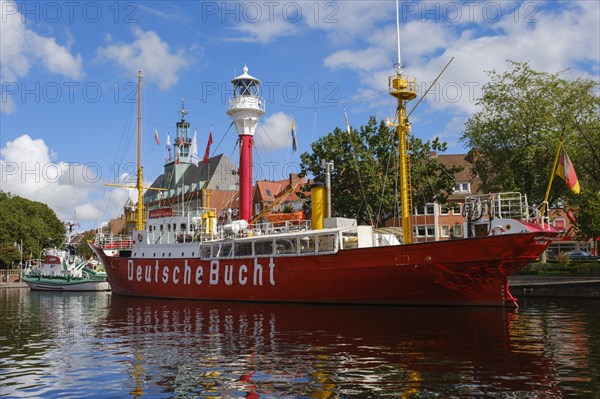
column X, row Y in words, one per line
column 551, row 177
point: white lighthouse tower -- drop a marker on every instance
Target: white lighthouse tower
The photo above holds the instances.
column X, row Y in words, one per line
column 245, row 108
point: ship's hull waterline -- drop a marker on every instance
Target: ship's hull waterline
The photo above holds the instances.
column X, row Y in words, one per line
column 64, row 285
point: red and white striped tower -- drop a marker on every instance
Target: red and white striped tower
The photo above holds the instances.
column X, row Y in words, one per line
column 245, row 107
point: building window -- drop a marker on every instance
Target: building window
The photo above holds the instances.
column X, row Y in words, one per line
column 444, row 210
column 256, row 209
column 430, row 231
column 424, row 231
column 462, row 187
column 445, row 230
column 419, row 210
column 456, row 209
column 429, row 209
column 457, row 230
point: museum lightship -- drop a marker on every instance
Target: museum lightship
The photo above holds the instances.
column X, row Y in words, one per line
column 183, row 252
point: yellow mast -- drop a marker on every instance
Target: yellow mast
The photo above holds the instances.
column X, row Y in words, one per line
column 139, row 185
column 560, row 143
column 404, row 89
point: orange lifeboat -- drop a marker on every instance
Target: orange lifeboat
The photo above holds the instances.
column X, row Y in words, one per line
column 282, row 217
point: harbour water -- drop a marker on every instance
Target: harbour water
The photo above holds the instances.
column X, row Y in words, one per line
column 97, row 345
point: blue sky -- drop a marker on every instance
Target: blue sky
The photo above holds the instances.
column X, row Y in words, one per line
column 68, row 71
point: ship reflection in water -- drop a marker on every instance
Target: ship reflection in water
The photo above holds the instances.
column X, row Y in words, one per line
column 157, row 348
column 236, row 350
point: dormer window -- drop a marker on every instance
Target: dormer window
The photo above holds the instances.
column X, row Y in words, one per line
column 462, row 187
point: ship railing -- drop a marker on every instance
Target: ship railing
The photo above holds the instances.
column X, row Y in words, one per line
column 114, row 241
column 54, row 252
column 540, row 214
column 246, row 102
column 224, row 231
column 507, row 205
column 285, row 226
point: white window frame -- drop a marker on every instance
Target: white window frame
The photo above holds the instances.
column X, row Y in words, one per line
column 429, row 230
column 459, row 213
column 445, row 227
column 430, row 207
column 460, row 228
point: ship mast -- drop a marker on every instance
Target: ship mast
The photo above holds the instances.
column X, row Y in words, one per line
column 404, row 89
column 139, row 185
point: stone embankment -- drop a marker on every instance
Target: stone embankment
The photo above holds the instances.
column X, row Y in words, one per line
column 555, row 286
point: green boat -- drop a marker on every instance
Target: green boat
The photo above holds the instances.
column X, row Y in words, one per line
column 63, row 270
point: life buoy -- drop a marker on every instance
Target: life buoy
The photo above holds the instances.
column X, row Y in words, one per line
column 497, row 230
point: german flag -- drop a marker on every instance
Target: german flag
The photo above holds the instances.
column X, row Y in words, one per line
column 566, row 170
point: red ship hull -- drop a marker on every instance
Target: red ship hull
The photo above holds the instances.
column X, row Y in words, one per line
column 455, row 272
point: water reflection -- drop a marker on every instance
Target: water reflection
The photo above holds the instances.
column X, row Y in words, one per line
column 57, row 345
column 237, row 349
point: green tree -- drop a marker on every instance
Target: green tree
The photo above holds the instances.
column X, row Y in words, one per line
column 33, row 222
column 588, row 216
column 9, row 255
column 524, row 114
column 365, row 173
column 83, row 249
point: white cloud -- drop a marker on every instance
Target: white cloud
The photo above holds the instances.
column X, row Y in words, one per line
column 21, row 48
column 30, row 169
column 274, row 133
column 362, row 60
column 263, row 31
column 346, row 21
column 266, row 22
column 550, row 39
column 147, row 53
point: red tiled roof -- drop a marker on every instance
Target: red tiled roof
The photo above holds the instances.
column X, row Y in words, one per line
column 466, row 175
column 269, row 191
